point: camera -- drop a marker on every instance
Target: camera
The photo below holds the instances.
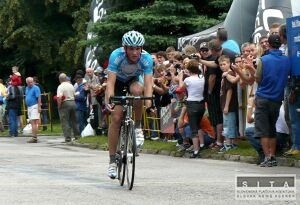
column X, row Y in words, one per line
column 177, row 66
column 254, row 64
column 185, row 76
column 193, row 56
column 168, row 74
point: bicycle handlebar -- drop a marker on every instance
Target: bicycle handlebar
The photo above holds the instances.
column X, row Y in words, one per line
column 122, row 99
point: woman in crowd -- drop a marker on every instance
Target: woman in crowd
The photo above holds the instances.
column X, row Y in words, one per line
column 194, row 84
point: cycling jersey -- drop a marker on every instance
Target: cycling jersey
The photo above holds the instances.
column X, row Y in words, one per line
column 125, row 71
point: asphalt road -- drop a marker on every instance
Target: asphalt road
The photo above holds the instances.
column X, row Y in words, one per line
column 51, row 172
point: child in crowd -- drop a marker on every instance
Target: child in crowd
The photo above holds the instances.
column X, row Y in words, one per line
column 16, row 76
column 229, row 104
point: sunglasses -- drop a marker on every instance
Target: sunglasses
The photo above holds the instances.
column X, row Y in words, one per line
column 204, row 50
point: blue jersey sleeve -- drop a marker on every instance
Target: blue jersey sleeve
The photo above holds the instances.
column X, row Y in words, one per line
column 114, row 60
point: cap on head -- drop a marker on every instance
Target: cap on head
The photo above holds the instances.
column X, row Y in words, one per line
column 133, row 38
column 204, row 45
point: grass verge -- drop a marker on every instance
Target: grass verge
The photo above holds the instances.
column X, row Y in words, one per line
column 244, row 148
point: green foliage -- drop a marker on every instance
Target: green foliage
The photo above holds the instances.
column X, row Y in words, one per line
column 161, row 22
column 211, row 8
column 45, row 37
column 41, row 37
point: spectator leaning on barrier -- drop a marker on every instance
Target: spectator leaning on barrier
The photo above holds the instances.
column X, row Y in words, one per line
column 33, row 103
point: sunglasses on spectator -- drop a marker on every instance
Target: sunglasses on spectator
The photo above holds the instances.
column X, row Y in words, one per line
column 204, row 50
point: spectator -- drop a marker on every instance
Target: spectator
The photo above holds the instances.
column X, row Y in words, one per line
column 189, row 50
column 283, row 38
column 154, row 58
column 194, row 102
column 81, row 102
column 246, row 50
column 293, row 104
column 67, row 108
column 3, row 94
column 45, row 109
column 16, row 75
column 162, row 97
column 281, row 131
column 213, row 77
column 249, row 131
column 216, row 50
column 177, row 105
column 271, row 75
column 14, row 100
column 264, row 45
column 161, row 58
column 229, row 104
column 33, row 103
column 170, row 51
column 274, row 29
column 92, row 85
column 222, row 38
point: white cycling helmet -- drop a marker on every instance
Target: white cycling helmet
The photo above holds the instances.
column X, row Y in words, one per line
column 133, row 38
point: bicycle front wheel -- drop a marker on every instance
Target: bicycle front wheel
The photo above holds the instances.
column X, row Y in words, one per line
column 130, row 156
column 121, row 161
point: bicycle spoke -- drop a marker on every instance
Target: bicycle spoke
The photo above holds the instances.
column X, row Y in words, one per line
column 127, row 140
column 130, row 165
column 121, row 160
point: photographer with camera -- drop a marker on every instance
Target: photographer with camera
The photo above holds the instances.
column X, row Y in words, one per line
column 216, row 117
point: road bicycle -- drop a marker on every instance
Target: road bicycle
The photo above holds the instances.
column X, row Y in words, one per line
column 126, row 149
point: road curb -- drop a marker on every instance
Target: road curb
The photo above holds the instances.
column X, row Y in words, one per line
column 287, row 162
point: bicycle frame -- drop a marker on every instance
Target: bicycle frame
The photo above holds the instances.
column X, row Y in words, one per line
column 126, row 151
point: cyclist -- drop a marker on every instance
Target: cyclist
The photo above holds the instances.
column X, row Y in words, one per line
column 129, row 66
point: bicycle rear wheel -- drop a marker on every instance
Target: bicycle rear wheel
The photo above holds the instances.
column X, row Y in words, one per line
column 121, row 158
column 130, row 155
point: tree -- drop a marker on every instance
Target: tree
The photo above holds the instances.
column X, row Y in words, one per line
column 41, row 37
column 44, row 37
column 161, row 22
